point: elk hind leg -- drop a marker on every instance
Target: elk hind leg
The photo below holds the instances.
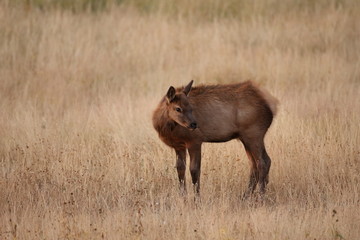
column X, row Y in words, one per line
column 254, row 174
column 267, row 161
column 263, row 163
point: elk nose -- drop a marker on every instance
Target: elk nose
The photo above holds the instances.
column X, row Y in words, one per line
column 193, row 125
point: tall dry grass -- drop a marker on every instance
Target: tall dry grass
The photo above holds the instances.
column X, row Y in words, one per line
column 79, row 158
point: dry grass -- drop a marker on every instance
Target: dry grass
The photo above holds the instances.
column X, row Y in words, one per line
column 79, row 158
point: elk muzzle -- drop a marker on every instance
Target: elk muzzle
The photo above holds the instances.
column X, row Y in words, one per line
column 193, row 125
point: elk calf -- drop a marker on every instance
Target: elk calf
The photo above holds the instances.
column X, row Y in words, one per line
column 188, row 116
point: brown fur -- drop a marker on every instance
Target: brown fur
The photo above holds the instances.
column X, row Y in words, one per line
column 187, row 117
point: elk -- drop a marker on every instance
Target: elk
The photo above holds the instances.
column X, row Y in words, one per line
column 188, row 116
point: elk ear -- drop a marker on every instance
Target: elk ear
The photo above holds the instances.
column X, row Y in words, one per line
column 187, row 88
column 170, row 94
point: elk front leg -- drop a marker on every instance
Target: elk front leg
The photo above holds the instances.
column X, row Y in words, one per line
column 195, row 166
column 181, row 167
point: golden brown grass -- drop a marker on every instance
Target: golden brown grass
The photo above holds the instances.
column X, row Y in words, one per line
column 79, row 158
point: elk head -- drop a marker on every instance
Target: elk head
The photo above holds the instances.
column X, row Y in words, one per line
column 179, row 108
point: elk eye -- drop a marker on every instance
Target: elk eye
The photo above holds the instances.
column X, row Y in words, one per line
column 178, row 109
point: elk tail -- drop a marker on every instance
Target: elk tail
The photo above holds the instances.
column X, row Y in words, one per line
column 272, row 101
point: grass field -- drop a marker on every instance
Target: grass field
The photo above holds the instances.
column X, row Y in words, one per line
column 79, row 158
